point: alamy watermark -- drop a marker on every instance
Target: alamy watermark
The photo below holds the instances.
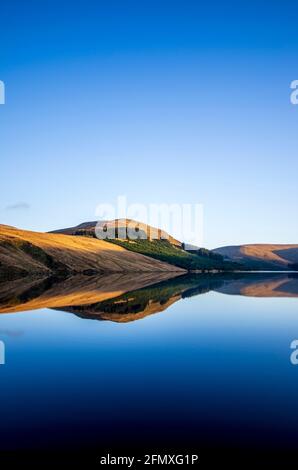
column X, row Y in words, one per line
column 183, row 222
column 294, row 355
column 294, row 93
column 2, row 92
column 2, row 353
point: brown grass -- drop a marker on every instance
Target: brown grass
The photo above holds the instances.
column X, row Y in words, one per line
column 75, row 253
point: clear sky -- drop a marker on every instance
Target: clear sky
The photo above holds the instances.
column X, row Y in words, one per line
column 163, row 101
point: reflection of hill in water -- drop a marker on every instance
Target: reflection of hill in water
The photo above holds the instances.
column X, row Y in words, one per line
column 30, row 294
column 124, row 298
column 140, row 303
column 261, row 285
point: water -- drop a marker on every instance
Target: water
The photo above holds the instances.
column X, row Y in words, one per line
column 208, row 368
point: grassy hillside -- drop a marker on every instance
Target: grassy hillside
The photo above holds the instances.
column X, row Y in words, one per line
column 120, row 228
column 262, row 256
column 163, row 250
column 24, row 252
column 153, row 242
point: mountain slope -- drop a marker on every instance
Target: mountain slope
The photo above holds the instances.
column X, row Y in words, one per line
column 23, row 252
column 122, row 229
column 150, row 241
column 262, row 256
column 164, row 251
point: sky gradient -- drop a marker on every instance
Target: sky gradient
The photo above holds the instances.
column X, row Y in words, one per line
column 164, row 102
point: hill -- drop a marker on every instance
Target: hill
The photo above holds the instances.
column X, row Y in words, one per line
column 155, row 243
column 25, row 252
column 120, row 229
column 262, row 256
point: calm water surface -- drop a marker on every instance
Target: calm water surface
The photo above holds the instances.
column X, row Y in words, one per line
column 206, row 371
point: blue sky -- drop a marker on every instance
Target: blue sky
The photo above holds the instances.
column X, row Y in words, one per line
column 165, row 102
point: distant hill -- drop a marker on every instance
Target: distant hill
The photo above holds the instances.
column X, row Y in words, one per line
column 262, row 256
column 150, row 241
column 24, row 252
column 121, row 229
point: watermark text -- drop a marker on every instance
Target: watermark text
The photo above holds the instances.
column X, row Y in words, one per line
column 136, row 221
column 294, row 93
column 2, row 92
column 2, row 353
column 294, row 355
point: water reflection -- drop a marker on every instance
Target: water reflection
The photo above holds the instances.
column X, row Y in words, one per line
column 125, row 298
column 214, row 374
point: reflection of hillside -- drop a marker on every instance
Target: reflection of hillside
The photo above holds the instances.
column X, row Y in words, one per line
column 150, row 308
column 110, row 296
column 262, row 285
column 146, row 301
column 124, row 298
column 30, row 294
column 153, row 299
